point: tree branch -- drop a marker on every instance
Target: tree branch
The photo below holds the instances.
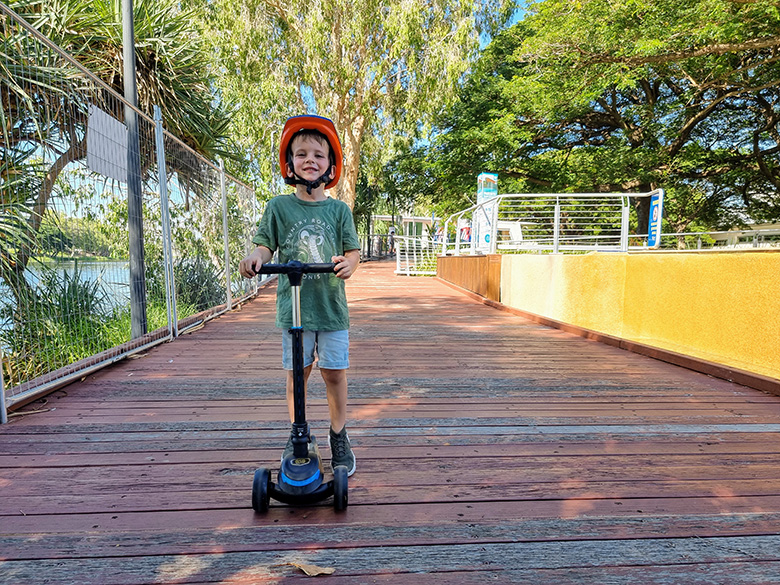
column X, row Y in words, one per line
column 717, row 49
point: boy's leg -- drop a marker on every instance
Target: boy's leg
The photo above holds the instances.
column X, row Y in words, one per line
column 340, row 447
column 333, row 353
column 336, row 387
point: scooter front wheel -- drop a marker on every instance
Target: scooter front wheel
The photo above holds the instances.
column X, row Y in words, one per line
column 261, row 490
column 340, row 487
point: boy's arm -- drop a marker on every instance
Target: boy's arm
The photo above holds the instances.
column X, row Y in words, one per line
column 347, row 264
column 249, row 266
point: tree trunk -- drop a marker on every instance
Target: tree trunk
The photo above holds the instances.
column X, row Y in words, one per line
column 353, row 135
column 346, row 189
column 642, row 206
column 13, row 271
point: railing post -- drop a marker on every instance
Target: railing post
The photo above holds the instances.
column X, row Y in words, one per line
column 254, row 227
column 557, row 227
column 457, row 236
column 624, row 225
column 444, row 237
column 494, row 226
column 225, row 236
column 3, row 411
column 165, row 216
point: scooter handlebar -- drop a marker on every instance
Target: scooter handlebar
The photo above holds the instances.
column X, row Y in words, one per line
column 297, row 267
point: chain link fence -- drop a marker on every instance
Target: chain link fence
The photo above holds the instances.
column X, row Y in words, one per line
column 65, row 238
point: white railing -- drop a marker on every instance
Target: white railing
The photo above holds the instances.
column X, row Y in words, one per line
column 545, row 222
column 415, row 256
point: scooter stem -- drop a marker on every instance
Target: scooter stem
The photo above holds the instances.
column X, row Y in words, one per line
column 295, row 271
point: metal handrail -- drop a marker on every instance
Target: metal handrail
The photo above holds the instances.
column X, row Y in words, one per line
column 558, row 219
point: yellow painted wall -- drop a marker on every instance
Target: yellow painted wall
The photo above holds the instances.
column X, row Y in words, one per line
column 720, row 306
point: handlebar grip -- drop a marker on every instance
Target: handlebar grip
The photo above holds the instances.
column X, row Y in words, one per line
column 323, row 268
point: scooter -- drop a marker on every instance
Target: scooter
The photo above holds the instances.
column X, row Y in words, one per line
column 300, row 480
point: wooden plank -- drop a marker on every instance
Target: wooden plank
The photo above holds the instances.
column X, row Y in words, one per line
column 277, row 536
column 130, row 451
column 755, row 555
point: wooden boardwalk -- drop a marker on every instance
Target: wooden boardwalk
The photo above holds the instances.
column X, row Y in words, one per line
column 490, row 450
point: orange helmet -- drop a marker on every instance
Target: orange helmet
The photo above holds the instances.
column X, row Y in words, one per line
column 318, row 124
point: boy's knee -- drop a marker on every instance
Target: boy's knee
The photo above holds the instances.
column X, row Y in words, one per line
column 333, row 376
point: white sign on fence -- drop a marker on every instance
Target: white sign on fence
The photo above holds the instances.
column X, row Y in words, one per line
column 106, row 145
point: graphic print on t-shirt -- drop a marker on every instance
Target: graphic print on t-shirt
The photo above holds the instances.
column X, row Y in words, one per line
column 310, row 241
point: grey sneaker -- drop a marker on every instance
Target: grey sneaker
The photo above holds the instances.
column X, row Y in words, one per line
column 288, row 449
column 341, row 451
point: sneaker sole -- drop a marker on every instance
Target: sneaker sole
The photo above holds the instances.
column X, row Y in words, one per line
column 349, row 471
column 354, row 460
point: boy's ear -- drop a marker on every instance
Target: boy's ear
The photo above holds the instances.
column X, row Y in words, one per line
column 288, row 170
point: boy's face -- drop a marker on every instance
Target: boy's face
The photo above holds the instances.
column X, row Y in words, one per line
column 310, row 158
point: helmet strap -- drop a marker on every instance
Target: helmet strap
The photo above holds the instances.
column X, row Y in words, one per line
column 297, row 180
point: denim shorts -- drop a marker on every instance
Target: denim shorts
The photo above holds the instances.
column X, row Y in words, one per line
column 331, row 347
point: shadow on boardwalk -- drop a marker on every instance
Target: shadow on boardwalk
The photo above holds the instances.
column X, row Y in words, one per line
column 490, row 450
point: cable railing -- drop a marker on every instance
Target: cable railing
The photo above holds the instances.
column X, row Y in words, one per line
column 545, row 222
column 65, row 305
column 415, row 256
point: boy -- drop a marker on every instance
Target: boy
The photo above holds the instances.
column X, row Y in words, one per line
column 312, row 228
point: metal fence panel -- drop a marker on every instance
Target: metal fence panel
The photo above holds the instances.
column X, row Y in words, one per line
column 64, row 238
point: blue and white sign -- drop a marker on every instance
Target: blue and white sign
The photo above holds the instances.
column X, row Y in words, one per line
column 654, row 223
column 487, row 188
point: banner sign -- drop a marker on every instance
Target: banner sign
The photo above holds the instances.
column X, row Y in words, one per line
column 656, row 215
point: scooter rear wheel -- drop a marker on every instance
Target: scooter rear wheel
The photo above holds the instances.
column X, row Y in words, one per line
column 261, row 490
column 340, row 488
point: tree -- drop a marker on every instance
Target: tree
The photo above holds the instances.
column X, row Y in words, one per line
column 375, row 67
column 627, row 95
column 46, row 99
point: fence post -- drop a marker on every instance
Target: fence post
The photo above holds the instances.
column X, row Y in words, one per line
column 165, row 216
column 225, row 237
column 557, row 227
column 3, row 411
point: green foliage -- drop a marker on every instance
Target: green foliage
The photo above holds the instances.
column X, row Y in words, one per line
column 61, row 322
column 199, row 284
column 171, row 59
column 620, row 95
column 66, row 318
column 77, row 237
column 46, row 101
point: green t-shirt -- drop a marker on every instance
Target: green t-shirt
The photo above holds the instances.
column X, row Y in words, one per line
column 310, row 232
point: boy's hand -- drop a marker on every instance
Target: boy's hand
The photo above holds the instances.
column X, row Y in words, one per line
column 346, row 264
column 249, row 266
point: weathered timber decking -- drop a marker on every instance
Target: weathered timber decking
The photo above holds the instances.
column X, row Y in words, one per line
column 490, row 450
